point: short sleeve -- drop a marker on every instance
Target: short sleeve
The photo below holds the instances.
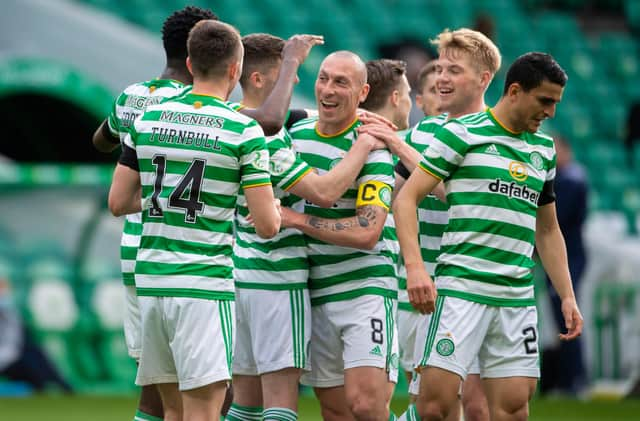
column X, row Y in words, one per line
column 447, row 151
column 253, row 156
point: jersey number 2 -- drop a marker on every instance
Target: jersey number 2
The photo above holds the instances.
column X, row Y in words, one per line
column 186, row 194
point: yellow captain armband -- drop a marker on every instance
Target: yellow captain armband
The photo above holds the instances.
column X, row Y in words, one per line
column 374, row 193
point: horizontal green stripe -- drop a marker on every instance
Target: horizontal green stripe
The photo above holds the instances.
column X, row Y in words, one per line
column 128, row 253
column 496, row 200
column 185, row 292
column 295, row 240
column 491, row 301
column 437, row 166
column 203, row 249
column 271, row 287
column 480, row 276
column 207, row 198
column 294, row 177
column 349, row 295
column 429, row 255
column 370, row 272
column 432, row 230
column 433, row 203
column 256, row 263
column 487, row 226
column 176, row 219
column 132, row 228
column 377, row 169
column 407, row 307
column 128, row 278
column 498, row 256
column 329, row 259
column 231, row 175
column 194, row 269
column 329, row 213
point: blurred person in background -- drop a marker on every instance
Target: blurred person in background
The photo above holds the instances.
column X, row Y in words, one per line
column 416, row 54
column 21, row 359
column 563, row 369
column 632, row 135
column 427, row 98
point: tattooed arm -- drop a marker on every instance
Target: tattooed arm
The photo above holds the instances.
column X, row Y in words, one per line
column 361, row 231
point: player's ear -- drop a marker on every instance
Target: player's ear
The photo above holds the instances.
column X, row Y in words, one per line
column 363, row 93
column 256, row 79
column 189, row 66
column 419, row 100
column 395, row 98
column 513, row 91
column 485, row 79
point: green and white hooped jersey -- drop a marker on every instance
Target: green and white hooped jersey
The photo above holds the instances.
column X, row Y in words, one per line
column 194, row 153
column 493, row 181
column 126, row 108
column 432, row 212
column 340, row 273
column 279, row 263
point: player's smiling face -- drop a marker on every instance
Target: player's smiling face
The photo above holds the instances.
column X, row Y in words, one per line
column 339, row 90
column 458, row 81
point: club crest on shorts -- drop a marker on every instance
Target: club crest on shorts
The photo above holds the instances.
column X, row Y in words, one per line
column 445, row 347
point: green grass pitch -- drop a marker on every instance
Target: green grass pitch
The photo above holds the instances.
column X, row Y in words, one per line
column 82, row 408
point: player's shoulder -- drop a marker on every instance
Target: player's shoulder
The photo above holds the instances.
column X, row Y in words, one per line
column 308, row 123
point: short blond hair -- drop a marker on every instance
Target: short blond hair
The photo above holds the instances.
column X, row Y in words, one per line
column 483, row 52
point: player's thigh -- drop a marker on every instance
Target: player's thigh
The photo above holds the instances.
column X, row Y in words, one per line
column 171, row 401
column 333, row 404
column 509, row 397
column 201, row 334
column 510, row 348
column 456, row 332
column 439, row 389
column 203, row 403
column 474, row 399
column 280, row 388
column 243, row 358
column 247, row 390
column 366, row 387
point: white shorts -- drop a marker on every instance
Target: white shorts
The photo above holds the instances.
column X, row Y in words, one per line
column 273, row 330
column 188, row 341
column 408, row 323
column 353, row 333
column 132, row 332
column 503, row 338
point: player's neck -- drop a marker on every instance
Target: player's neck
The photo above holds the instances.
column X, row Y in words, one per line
column 474, row 107
column 251, row 99
column 173, row 73
column 501, row 113
column 219, row 89
column 332, row 129
column 386, row 112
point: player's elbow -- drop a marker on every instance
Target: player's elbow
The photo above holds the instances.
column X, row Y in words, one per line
column 268, row 229
column 324, row 200
column 368, row 240
column 116, row 206
column 271, row 125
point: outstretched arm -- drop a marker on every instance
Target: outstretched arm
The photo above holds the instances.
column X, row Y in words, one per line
column 273, row 112
column 324, row 190
column 553, row 253
column 361, row 231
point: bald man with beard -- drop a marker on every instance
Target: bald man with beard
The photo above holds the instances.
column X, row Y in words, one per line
column 352, row 279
